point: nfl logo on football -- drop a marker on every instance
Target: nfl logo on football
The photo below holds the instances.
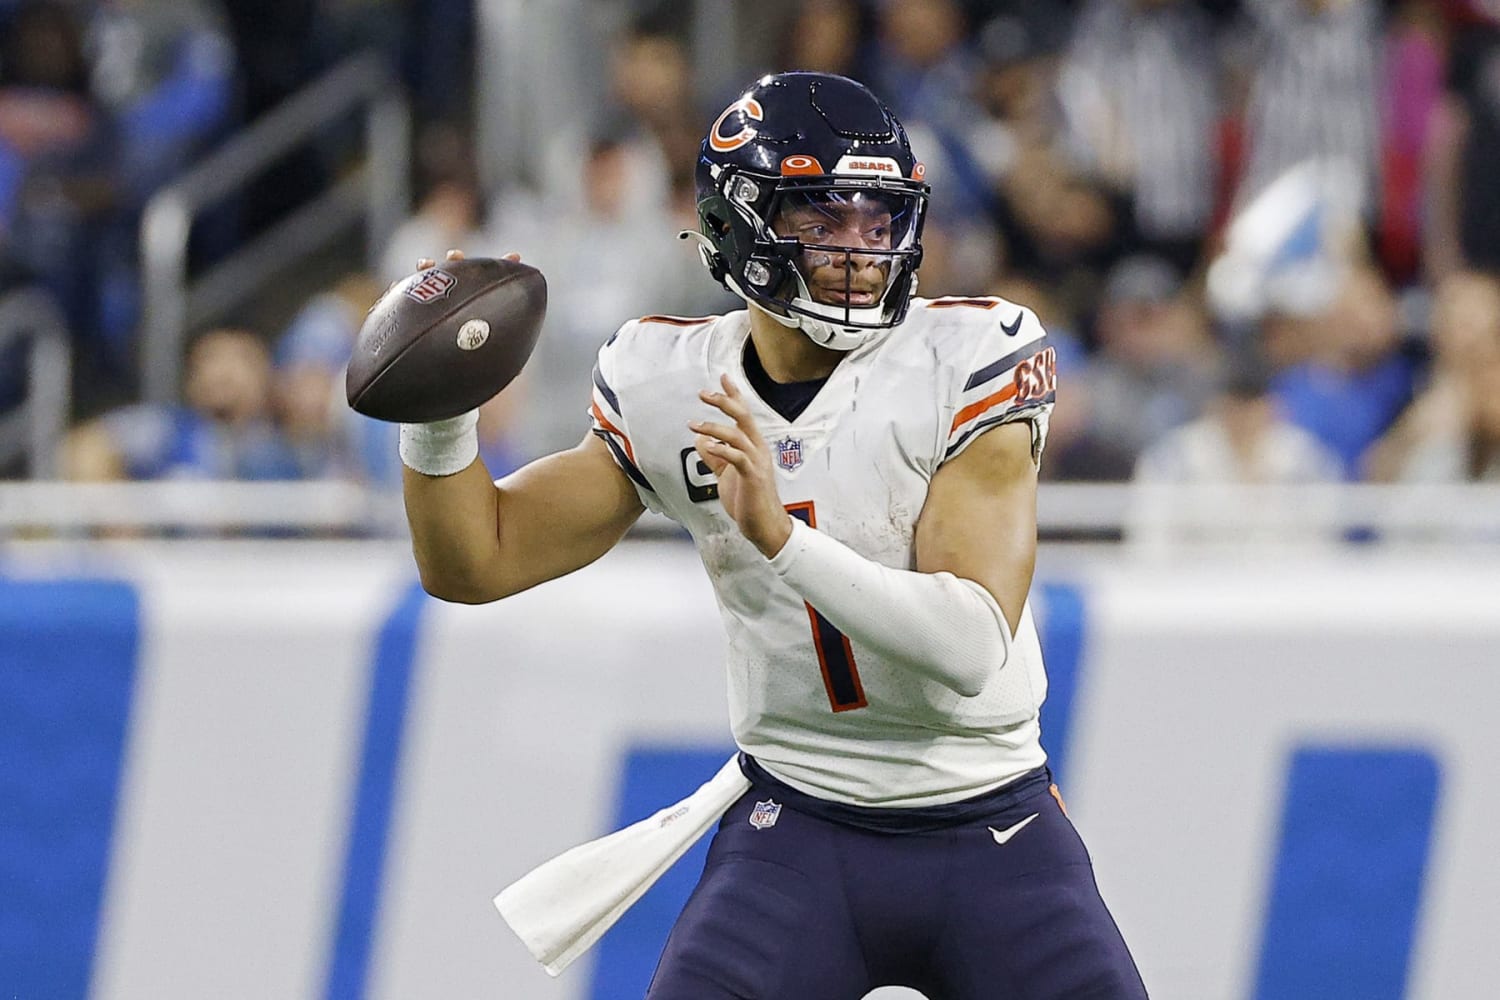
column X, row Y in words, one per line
column 432, row 285
column 765, row 814
column 789, row 453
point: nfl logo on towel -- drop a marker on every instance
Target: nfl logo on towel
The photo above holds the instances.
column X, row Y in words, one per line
column 765, row 814
column 789, row 453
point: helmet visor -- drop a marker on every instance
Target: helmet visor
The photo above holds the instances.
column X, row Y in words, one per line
column 853, row 245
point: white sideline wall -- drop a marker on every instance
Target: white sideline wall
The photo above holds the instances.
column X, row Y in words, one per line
column 227, row 867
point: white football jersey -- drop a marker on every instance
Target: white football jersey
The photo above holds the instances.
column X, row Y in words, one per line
column 825, row 715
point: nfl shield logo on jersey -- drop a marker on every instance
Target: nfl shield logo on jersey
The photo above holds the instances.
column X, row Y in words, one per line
column 789, row 453
column 765, row 814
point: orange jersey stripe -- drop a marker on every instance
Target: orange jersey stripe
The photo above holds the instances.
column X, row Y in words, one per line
column 604, row 422
column 971, row 303
column 677, row 320
column 975, row 409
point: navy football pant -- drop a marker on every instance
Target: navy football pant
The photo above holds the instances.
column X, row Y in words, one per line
column 814, row 909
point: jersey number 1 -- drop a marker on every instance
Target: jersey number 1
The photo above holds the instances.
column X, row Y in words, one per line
column 840, row 675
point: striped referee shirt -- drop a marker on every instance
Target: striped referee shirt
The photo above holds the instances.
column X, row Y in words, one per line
column 1313, row 92
column 1139, row 88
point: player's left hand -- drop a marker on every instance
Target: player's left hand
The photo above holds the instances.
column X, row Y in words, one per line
column 738, row 457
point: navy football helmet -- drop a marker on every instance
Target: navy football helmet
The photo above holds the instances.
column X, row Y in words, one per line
column 810, row 206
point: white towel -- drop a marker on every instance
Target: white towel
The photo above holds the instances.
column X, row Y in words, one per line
column 560, row 908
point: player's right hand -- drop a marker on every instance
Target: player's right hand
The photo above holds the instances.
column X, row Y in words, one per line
column 738, row 457
column 423, row 263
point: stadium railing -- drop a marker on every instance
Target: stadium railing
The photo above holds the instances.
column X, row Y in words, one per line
column 34, row 427
column 1146, row 517
column 377, row 191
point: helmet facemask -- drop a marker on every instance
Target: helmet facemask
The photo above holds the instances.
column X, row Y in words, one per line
column 833, row 256
column 855, row 245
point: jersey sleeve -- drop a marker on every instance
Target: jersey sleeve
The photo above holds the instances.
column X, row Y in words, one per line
column 1011, row 376
column 607, row 415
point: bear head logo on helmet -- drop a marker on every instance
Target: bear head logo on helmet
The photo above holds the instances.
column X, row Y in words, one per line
column 810, row 206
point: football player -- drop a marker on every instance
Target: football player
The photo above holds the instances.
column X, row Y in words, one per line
column 858, row 468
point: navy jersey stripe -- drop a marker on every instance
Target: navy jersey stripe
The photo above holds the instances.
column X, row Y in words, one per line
column 624, row 460
column 608, row 393
column 1005, row 364
column 1008, row 415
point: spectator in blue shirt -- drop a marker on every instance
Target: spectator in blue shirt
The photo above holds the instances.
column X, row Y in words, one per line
column 222, row 430
column 1355, row 379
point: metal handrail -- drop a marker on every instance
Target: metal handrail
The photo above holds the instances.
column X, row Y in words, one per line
column 175, row 505
column 36, row 427
column 1263, row 516
column 378, row 192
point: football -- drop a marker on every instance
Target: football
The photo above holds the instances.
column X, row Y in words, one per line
column 446, row 339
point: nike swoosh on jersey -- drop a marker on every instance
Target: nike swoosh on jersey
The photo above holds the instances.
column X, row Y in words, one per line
column 1014, row 326
column 1001, row 836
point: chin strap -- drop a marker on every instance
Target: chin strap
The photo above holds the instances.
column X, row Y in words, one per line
column 823, row 332
column 831, row 335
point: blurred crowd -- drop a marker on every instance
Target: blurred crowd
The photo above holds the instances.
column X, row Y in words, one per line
column 1264, row 235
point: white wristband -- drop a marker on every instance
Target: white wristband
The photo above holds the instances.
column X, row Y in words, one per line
column 442, row 447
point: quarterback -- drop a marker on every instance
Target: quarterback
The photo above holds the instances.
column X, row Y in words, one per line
column 857, row 467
